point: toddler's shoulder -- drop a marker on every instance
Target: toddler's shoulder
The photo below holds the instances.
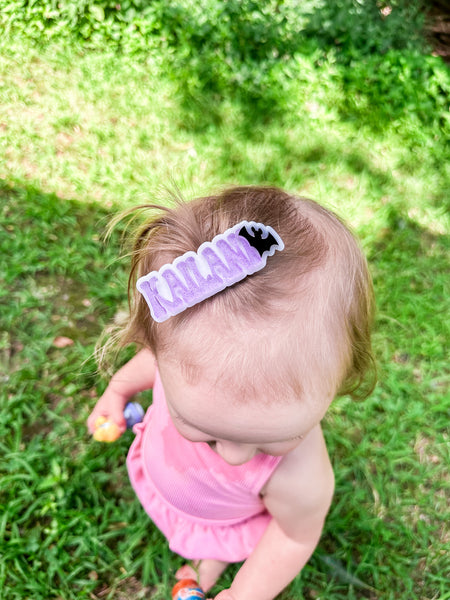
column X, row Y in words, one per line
column 301, row 488
column 306, row 469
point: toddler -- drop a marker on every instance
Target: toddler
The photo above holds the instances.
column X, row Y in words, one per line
column 253, row 310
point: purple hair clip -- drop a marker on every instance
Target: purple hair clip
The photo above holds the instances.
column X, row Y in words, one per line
column 195, row 276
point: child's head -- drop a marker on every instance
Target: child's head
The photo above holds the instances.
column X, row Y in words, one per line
column 300, row 327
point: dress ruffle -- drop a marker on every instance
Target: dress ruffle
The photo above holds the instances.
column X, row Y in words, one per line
column 192, row 537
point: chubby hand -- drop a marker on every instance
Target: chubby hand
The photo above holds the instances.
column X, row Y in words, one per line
column 109, row 407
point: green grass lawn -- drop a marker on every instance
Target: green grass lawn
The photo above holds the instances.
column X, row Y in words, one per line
column 89, row 129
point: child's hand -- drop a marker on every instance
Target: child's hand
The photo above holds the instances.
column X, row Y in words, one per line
column 111, row 406
column 135, row 376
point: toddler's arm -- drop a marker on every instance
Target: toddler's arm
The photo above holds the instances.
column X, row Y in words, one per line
column 298, row 497
column 135, row 376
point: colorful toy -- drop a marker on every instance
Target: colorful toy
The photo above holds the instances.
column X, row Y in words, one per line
column 133, row 413
column 108, row 431
column 187, row 589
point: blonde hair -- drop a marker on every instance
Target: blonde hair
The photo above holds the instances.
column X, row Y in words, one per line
column 308, row 313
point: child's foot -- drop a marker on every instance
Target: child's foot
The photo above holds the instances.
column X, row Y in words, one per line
column 206, row 572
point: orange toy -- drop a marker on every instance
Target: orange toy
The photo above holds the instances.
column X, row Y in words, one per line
column 106, row 431
column 187, row 589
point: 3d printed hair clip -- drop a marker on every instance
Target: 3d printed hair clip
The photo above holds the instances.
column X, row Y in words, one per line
column 228, row 258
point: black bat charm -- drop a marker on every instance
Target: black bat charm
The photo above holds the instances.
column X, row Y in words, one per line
column 256, row 239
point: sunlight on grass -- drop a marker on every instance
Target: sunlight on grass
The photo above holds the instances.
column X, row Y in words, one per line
column 100, row 128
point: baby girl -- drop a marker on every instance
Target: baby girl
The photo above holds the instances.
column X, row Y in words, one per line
column 253, row 310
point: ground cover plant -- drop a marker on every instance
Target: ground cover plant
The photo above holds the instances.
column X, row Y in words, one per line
column 101, row 105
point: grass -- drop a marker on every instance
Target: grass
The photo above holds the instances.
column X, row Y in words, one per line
column 86, row 132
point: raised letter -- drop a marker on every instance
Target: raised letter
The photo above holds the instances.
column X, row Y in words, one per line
column 148, row 289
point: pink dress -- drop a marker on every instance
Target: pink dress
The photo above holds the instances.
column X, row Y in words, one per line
column 205, row 507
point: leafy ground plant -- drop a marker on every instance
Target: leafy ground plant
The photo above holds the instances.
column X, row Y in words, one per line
column 86, row 129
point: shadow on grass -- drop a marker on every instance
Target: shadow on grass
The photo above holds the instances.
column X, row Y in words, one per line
column 58, row 290
column 46, row 236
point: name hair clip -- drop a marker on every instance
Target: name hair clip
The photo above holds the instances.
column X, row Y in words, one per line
column 191, row 278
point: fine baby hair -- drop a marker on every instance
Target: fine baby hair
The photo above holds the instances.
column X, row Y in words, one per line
column 317, row 292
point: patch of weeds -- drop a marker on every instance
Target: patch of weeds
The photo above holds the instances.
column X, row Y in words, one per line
column 372, row 93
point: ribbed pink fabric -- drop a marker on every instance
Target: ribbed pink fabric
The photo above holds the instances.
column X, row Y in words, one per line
column 205, row 507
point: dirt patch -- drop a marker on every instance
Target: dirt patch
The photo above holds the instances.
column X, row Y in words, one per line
column 128, row 589
column 438, row 28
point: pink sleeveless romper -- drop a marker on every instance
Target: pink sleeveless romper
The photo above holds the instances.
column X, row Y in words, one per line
column 205, row 507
